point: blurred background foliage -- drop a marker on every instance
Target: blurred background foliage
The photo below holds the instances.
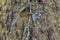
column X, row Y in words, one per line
column 30, row 20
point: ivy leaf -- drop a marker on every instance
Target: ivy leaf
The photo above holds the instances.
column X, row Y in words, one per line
column 27, row 28
column 25, row 6
column 23, row 3
column 35, row 17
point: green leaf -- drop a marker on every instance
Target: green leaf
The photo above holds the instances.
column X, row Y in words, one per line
column 23, row 3
column 23, row 8
column 35, row 17
column 26, row 28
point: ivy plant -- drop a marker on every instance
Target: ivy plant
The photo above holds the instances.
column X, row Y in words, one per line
column 25, row 6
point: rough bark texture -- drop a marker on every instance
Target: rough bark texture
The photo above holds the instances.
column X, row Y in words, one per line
column 45, row 27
